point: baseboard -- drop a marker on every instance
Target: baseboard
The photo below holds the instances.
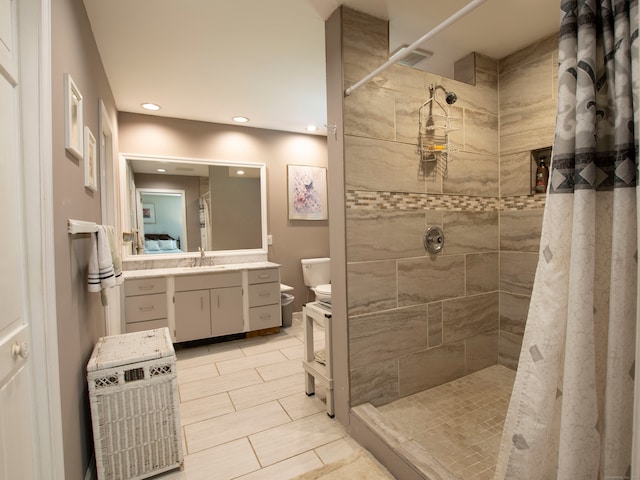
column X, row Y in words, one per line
column 91, row 470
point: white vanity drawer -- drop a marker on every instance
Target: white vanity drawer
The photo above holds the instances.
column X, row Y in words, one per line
column 148, row 325
column 264, row 275
column 145, row 307
column 264, row 317
column 145, row 286
column 264, row 294
column 208, row 280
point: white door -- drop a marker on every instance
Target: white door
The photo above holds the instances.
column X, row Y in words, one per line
column 18, row 422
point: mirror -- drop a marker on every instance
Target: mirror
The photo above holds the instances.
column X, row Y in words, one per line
column 179, row 206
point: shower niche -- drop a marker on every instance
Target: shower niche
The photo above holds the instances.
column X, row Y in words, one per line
column 538, row 157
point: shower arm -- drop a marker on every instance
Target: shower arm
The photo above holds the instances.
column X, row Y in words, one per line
column 404, row 52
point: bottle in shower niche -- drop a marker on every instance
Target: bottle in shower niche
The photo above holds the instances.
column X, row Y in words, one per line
column 542, row 176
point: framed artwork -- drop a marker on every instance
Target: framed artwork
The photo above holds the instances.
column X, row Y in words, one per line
column 90, row 161
column 149, row 213
column 307, row 192
column 73, row 122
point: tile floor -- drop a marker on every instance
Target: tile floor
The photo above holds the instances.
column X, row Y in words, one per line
column 459, row 423
column 245, row 415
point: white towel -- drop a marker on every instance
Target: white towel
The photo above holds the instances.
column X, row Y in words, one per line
column 115, row 256
column 101, row 274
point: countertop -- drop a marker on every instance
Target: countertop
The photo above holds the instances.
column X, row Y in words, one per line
column 174, row 271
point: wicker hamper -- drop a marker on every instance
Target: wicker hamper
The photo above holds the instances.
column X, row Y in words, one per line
column 133, row 394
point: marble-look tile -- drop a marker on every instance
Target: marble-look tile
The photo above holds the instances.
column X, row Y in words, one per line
column 516, row 174
column 265, row 392
column 517, row 272
column 287, row 469
column 520, row 230
column 223, row 462
column 223, row 383
column 480, row 133
column 435, row 324
column 268, row 343
column 232, row 426
column 407, row 118
column 376, row 383
column 531, row 52
column 486, row 64
column 464, row 69
column 481, row 351
column 372, row 287
column 382, row 336
column 409, row 82
column 509, row 347
column 429, row 368
column 294, row 353
column 194, row 374
column 204, row 408
column 469, row 316
column 482, row 273
column 377, row 165
column 295, row 437
column 514, row 310
column 300, row 405
column 231, row 366
column 338, row 450
column 528, row 129
column 481, row 98
column 280, row 369
column 365, row 45
column 470, row 232
column 530, row 84
column 370, row 112
column 384, row 235
column 429, row 279
column 472, row 174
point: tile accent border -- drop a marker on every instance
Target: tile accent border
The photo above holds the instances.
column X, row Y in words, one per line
column 367, row 200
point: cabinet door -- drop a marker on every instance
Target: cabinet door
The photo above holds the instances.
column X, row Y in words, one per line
column 226, row 311
column 193, row 318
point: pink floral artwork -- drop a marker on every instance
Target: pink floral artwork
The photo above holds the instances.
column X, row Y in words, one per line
column 307, row 193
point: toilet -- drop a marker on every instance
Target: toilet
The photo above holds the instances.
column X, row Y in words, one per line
column 317, row 276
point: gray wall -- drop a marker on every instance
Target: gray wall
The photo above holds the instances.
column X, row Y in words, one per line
column 79, row 313
column 292, row 240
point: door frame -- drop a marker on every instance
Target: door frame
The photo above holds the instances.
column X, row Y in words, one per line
column 37, row 150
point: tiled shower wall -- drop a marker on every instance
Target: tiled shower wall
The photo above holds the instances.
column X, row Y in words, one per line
column 415, row 320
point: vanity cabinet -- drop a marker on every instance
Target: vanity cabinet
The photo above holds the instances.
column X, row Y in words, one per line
column 264, row 298
column 145, row 304
column 208, row 305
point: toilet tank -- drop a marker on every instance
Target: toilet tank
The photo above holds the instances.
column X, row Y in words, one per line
column 316, row 271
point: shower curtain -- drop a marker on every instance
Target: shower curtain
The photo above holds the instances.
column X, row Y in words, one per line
column 571, row 415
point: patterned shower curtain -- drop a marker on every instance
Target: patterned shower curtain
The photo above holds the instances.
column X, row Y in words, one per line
column 571, row 415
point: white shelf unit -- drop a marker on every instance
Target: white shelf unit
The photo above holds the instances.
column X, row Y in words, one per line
column 313, row 369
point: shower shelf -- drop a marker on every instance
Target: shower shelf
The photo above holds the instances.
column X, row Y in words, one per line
column 434, row 128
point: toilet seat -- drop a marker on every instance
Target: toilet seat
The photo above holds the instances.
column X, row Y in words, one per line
column 323, row 292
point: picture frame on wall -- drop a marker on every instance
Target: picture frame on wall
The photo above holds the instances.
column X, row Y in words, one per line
column 73, row 121
column 149, row 213
column 307, row 192
column 90, row 160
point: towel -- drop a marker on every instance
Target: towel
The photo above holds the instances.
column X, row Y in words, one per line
column 115, row 256
column 102, row 274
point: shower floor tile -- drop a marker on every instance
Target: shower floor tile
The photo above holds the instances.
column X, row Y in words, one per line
column 459, row 423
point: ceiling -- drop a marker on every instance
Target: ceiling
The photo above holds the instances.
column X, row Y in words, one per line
column 210, row 60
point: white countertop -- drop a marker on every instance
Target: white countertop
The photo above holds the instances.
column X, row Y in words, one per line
column 173, row 271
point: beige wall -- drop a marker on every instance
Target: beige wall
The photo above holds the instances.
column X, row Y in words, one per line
column 79, row 313
column 416, row 320
column 292, row 240
column 528, row 86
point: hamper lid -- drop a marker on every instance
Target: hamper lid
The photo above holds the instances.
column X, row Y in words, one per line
column 115, row 350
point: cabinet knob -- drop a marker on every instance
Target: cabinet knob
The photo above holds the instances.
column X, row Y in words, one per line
column 20, row 349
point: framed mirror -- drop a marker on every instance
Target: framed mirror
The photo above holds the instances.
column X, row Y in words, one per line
column 177, row 206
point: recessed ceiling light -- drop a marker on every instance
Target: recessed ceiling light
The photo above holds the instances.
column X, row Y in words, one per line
column 240, row 119
column 150, row 106
column 161, row 170
column 311, row 128
column 240, row 172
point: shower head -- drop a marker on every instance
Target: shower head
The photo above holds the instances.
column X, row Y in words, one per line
column 450, row 97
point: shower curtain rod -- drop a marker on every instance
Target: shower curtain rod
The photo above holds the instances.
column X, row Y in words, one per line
column 403, row 53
